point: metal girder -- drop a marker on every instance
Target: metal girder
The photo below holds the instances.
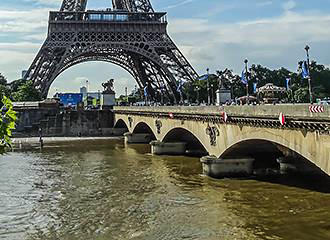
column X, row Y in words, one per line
column 73, row 5
column 133, row 5
column 128, row 5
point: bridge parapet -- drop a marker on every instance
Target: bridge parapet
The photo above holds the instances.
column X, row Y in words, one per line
column 296, row 111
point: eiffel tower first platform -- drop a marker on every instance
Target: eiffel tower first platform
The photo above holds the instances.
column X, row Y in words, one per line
column 131, row 35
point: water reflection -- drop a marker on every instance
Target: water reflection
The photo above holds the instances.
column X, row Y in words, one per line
column 104, row 190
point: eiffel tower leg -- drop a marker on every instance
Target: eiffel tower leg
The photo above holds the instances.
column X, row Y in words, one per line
column 43, row 67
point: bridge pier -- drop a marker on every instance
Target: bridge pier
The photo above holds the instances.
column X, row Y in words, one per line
column 289, row 165
column 221, row 168
column 171, row 148
column 119, row 131
column 137, row 138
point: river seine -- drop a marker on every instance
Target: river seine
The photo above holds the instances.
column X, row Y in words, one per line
column 103, row 190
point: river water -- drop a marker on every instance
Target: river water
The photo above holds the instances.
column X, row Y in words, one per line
column 104, row 190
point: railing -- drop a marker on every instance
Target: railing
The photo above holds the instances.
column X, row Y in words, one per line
column 236, row 116
column 107, row 16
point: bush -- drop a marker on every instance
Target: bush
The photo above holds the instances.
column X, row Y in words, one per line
column 7, row 123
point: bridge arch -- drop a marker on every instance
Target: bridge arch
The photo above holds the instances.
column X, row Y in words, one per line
column 143, row 127
column 120, row 123
column 194, row 145
column 266, row 152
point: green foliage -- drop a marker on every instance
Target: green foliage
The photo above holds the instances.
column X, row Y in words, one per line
column 7, row 123
column 261, row 75
column 26, row 92
column 4, row 90
column 3, row 80
column 301, row 95
column 199, row 88
column 18, row 90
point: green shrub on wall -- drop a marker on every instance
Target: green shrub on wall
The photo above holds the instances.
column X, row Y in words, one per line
column 7, row 123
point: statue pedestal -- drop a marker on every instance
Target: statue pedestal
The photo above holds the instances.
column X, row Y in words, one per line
column 223, row 96
column 108, row 100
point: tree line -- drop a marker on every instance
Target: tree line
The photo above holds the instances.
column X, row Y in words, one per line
column 298, row 87
column 21, row 90
column 18, row 90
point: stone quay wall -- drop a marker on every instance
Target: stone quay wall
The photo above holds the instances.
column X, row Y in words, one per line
column 61, row 123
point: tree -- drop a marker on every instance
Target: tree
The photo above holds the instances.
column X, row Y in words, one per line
column 301, row 95
column 27, row 92
column 3, row 80
column 4, row 90
column 7, row 123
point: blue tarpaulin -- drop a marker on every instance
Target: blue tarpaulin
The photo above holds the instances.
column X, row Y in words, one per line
column 70, row 99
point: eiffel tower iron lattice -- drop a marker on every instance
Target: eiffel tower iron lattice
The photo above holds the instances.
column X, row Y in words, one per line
column 131, row 35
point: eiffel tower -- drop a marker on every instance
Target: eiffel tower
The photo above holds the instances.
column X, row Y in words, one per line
column 131, row 35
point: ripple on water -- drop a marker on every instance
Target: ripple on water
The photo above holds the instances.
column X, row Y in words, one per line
column 106, row 191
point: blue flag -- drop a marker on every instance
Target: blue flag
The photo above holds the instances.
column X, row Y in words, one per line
column 254, row 87
column 204, row 77
column 244, row 78
column 288, row 80
column 305, row 70
column 180, row 86
column 145, row 91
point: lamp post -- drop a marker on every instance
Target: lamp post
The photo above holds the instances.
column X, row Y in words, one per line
column 309, row 76
column 197, row 90
column 247, row 81
column 212, row 94
column 208, row 87
column 126, row 95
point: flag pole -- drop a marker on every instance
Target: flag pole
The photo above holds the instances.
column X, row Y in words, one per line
column 247, row 81
column 208, row 87
column 309, row 76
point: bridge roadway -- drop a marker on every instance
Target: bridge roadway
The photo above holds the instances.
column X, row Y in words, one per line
column 249, row 130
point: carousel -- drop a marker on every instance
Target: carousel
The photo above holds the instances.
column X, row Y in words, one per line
column 271, row 93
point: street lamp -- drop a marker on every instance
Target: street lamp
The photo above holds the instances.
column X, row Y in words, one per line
column 208, row 87
column 197, row 90
column 309, row 76
column 247, row 81
column 212, row 94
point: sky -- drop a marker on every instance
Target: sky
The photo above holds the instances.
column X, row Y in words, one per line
column 215, row 34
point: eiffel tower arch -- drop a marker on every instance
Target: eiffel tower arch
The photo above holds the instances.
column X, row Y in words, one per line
column 131, row 35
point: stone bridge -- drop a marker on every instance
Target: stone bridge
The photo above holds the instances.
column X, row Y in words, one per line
column 235, row 131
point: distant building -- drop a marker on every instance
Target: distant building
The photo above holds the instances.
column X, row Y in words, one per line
column 83, row 91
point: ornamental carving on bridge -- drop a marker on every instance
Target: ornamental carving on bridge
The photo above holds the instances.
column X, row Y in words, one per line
column 130, row 120
column 213, row 132
column 158, row 125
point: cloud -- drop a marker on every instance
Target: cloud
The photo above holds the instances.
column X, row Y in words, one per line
column 46, row 2
column 12, row 21
column 289, row 5
column 274, row 42
column 264, row 3
column 179, row 4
